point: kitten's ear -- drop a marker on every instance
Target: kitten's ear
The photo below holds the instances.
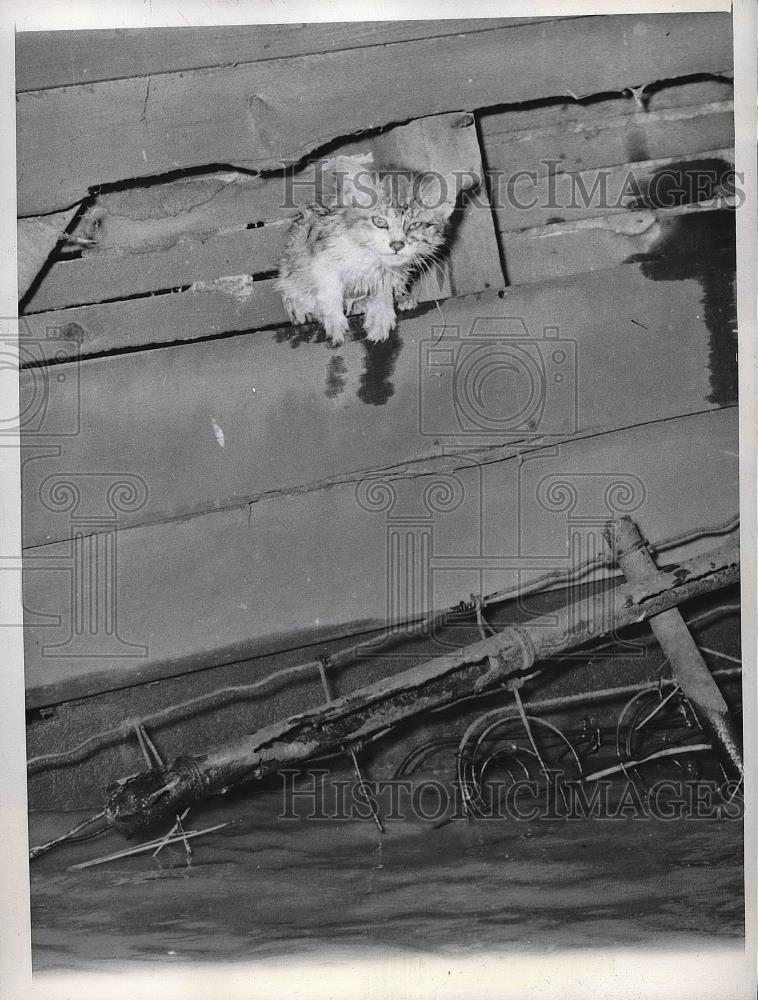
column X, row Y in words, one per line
column 437, row 194
column 440, row 192
column 345, row 180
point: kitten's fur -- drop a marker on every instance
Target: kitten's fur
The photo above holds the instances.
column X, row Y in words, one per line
column 340, row 255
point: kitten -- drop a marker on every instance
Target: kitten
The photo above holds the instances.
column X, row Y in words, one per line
column 359, row 246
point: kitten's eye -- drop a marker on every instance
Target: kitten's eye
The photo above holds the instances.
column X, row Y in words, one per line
column 380, row 223
column 416, row 225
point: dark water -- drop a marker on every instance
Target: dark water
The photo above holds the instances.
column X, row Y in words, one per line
column 700, row 246
column 379, row 360
column 266, row 887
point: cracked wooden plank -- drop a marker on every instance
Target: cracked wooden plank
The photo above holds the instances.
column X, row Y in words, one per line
column 199, row 229
column 253, row 115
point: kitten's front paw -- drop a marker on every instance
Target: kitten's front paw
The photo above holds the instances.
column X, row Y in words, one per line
column 380, row 327
column 406, row 302
column 336, row 330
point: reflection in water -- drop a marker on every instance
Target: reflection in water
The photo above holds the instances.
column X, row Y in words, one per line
column 336, row 376
column 379, row 364
column 699, row 246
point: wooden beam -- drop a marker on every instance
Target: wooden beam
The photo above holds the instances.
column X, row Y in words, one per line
column 253, row 115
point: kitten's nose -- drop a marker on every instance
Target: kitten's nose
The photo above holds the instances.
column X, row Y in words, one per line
column 397, row 245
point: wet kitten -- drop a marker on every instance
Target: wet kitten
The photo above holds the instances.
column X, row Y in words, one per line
column 359, row 247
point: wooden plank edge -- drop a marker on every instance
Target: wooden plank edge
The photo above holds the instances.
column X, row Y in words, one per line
column 282, row 131
column 116, row 678
column 48, row 60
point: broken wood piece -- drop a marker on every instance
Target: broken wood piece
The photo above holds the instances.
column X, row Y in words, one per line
column 37, row 238
column 322, row 661
column 697, row 683
column 139, row 802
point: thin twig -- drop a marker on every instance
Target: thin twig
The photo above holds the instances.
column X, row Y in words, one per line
column 668, row 752
column 36, row 852
column 170, row 833
column 142, row 848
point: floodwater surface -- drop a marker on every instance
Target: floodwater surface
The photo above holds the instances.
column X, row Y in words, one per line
column 264, row 887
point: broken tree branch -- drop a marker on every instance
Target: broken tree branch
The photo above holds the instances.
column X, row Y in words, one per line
column 139, row 802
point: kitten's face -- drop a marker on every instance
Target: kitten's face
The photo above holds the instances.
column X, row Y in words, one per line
column 400, row 217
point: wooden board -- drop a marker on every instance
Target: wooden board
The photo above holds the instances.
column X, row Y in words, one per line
column 630, row 139
column 685, row 131
column 254, row 115
column 46, row 59
column 226, row 423
column 572, row 195
column 677, row 119
column 201, row 229
column 98, row 277
column 235, row 583
column 205, row 309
